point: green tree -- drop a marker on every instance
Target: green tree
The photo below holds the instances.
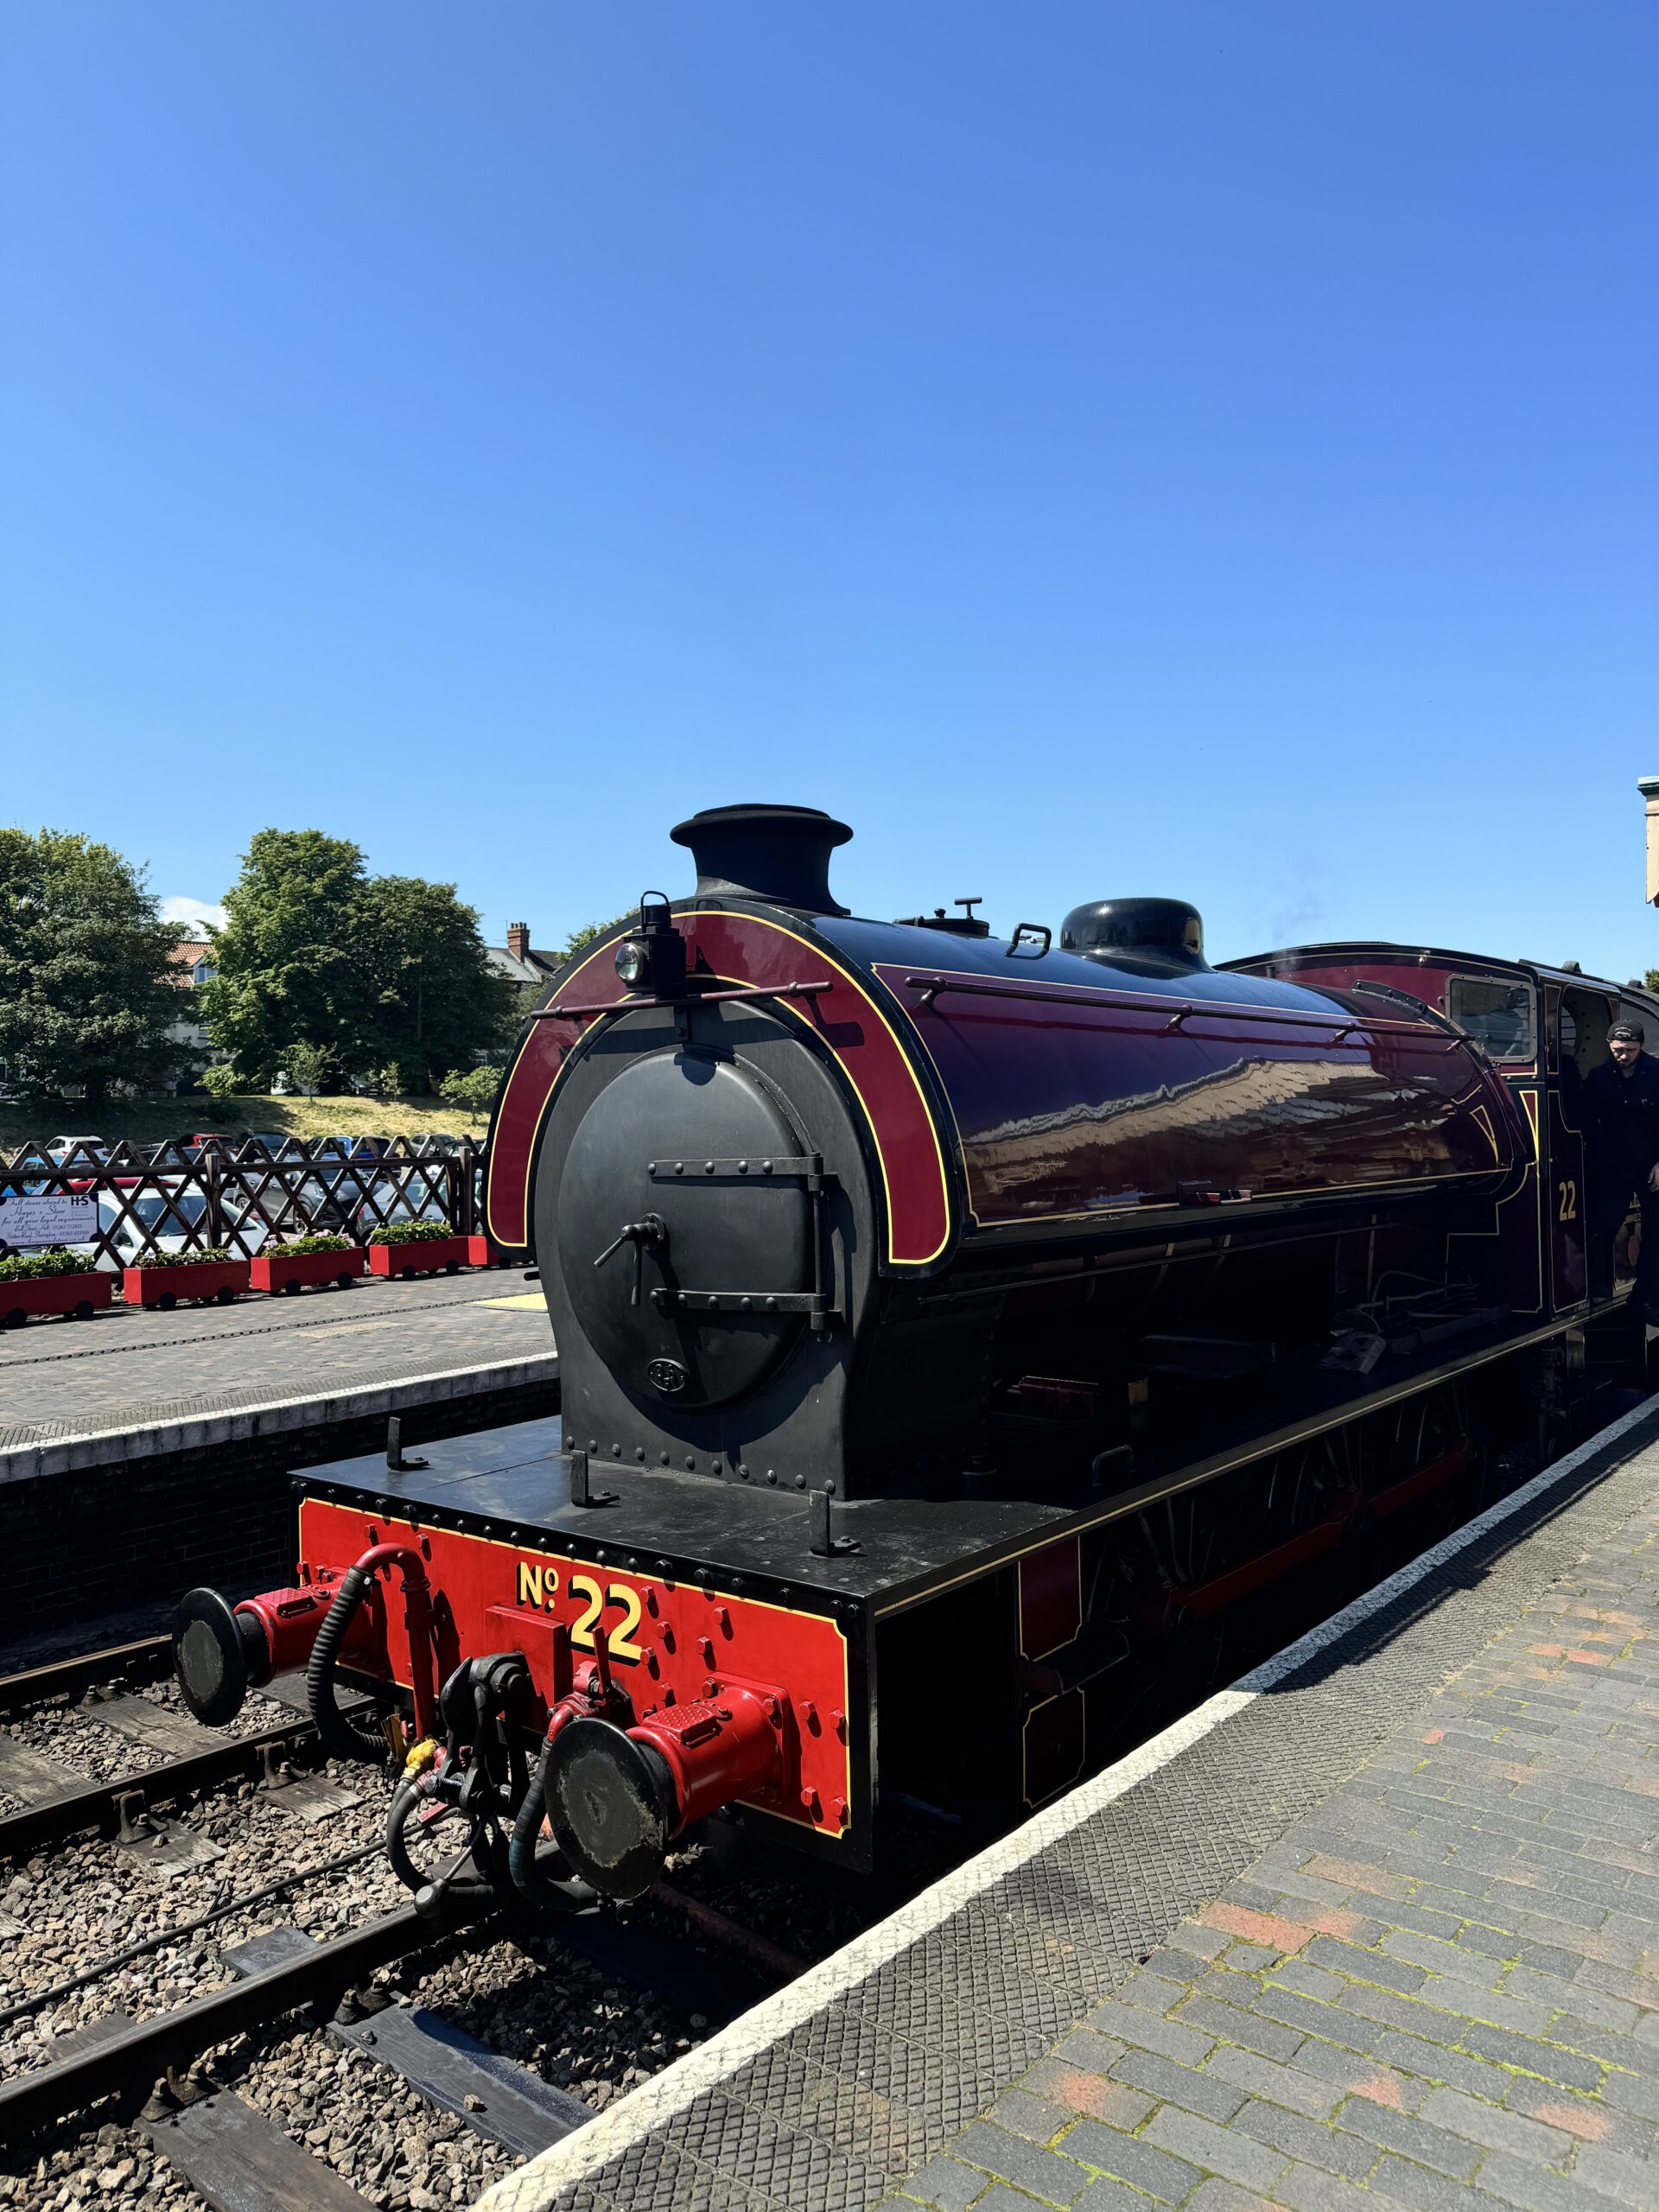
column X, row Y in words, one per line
column 305, row 1068
column 437, row 1001
column 219, row 1080
column 365, row 971
column 86, row 995
column 1651, row 979
column 290, row 964
column 471, row 1089
column 579, row 940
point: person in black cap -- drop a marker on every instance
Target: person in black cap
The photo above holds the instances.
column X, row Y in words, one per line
column 1621, row 1100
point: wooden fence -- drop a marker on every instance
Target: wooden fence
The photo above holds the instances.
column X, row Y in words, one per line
column 171, row 1198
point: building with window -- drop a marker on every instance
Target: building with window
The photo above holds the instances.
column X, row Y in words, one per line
column 190, row 964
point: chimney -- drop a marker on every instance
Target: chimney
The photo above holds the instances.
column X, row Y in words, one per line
column 519, row 940
column 779, row 855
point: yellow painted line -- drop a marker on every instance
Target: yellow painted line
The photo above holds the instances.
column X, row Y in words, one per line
column 531, row 1302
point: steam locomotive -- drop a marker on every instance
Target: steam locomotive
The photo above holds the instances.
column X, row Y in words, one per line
column 952, row 1329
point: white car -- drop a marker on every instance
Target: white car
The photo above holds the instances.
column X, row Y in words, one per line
column 89, row 1148
column 151, row 1225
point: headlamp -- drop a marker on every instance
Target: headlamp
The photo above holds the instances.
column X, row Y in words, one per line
column 631, row 962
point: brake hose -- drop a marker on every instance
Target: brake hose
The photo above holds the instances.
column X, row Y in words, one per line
column 347, row 1736
column 542, row 1894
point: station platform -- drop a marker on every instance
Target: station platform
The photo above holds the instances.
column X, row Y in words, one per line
column 132, row 1369
column 142, row 1452
column 1378, row 1927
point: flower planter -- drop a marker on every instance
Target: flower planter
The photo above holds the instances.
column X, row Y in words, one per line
column 480, row 1253
column 426, row 1255
column 279, row 1271
column 202, row 1280
column 79, row 1295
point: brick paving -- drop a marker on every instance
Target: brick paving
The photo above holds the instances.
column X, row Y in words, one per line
column 1441, row 1989
column 127, row 1366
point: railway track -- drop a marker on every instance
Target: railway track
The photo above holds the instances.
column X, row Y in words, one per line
column 146, row 1659
column 231, row 2150
column 194, row 2082
column 214, row 2112
column 285, row 1970
column 124, row 1807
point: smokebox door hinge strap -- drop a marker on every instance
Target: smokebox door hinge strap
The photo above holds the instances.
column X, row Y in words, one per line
column 818, row 1304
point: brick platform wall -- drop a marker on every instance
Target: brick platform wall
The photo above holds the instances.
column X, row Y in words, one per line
column 123, row 1538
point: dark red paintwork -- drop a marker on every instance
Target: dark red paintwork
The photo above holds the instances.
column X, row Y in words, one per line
column 1074, row 1103
column 746, row 949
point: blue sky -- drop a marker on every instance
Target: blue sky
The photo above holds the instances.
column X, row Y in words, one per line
column 1094, row 446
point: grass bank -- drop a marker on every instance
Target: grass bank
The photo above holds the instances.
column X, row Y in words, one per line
column 153, row 1121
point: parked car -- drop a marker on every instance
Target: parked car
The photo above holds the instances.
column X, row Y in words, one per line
column 328, row 1203
column 274, row 1140
column 245, row 1230
column 389, row 1201
column 159, row 1221
column 168, row 1156
column 147, row 1224
column 89, row 1148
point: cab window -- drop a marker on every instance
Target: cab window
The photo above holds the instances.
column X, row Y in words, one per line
column 1497, row 1014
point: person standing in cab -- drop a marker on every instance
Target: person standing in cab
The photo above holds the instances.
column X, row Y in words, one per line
column 1621, row 1100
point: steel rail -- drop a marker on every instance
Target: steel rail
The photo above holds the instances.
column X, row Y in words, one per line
column 98, row 1804
column 136, row 2056
column 144, row 1660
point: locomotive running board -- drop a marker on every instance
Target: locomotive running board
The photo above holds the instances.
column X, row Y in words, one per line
column 1174, row 1482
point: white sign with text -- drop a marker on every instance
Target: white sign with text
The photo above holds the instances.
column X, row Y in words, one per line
column 48, row 1217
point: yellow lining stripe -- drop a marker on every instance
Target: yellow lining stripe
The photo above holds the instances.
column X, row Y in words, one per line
column 717, row 914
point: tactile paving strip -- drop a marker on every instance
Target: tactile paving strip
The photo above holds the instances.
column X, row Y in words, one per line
column 836, row 2112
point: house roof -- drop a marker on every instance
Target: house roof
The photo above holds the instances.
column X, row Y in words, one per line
column 187, row 956
column 535, row 968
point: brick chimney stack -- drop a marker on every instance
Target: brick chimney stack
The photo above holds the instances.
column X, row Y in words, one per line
column 519, row 940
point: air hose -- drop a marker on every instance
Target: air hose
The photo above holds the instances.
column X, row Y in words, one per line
column 542, row 1894
column 428, row 1889
column 343, row 1735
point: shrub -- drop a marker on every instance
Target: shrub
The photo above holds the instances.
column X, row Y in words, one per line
column 472, row 1091
column 28, row 1267
column 215, row 1256
column 220, row 1081
column 295, row 1245
column 409, row 1232
column 307, row 1068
